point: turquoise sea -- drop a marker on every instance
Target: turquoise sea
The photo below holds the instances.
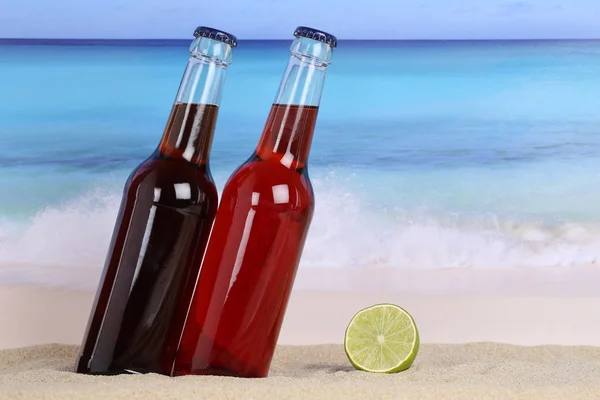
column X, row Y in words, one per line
column 481, row 154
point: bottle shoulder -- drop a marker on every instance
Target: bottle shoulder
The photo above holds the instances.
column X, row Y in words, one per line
column 268, row 183
column 171, row 182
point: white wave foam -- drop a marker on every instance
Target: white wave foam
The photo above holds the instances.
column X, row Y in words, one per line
column 75, row 234
column 346, row 232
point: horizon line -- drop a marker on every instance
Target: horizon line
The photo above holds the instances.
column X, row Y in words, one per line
column 4, row 39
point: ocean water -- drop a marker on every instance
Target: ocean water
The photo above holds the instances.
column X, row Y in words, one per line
column 426, row 154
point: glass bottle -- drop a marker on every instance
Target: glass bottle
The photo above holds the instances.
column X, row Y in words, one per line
column 163, row 224
column 261, row 225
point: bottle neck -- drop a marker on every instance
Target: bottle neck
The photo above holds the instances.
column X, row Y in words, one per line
column 288, row 132
column 189, row 132
column 302, row 82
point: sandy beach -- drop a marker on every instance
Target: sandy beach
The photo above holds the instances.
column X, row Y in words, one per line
column 477, row 343
column 460, row 371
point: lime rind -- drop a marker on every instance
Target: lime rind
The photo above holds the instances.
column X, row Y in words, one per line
column 382, row 338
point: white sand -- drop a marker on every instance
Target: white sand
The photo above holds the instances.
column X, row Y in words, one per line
column 533, row 308
column 462, row 371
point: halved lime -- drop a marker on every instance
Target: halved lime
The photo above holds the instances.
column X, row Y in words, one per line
column 382, row 338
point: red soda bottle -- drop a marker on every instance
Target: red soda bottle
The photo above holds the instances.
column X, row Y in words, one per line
column 166, row 214
column 253, row 253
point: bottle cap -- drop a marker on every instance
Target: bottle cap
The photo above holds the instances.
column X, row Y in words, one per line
column 310, row 33
column 211, row 33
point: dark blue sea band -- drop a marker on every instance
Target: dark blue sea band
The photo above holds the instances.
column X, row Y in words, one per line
column 310, row 33
column 211, row 33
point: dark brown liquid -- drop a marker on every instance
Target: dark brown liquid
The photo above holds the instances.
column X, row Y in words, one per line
column 254, row 250
column 165, row 218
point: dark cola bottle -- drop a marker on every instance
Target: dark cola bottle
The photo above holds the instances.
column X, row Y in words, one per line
column 167, row 211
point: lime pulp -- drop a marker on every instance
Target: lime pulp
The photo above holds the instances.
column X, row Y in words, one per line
column 382, row 338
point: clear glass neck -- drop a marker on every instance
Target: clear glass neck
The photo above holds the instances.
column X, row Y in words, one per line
column 302, row 83
column 288, row 132
column 189, row 131
column 204, row 75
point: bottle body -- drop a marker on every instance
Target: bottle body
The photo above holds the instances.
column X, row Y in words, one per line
column 165, row 217
column 167, row 210
column 255, row 247
column 248, row 272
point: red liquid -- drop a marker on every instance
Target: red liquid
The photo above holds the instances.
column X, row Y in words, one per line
column 253, row 254
column 167, row 210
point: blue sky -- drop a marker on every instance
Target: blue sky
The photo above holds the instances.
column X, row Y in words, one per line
column 267, row 19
